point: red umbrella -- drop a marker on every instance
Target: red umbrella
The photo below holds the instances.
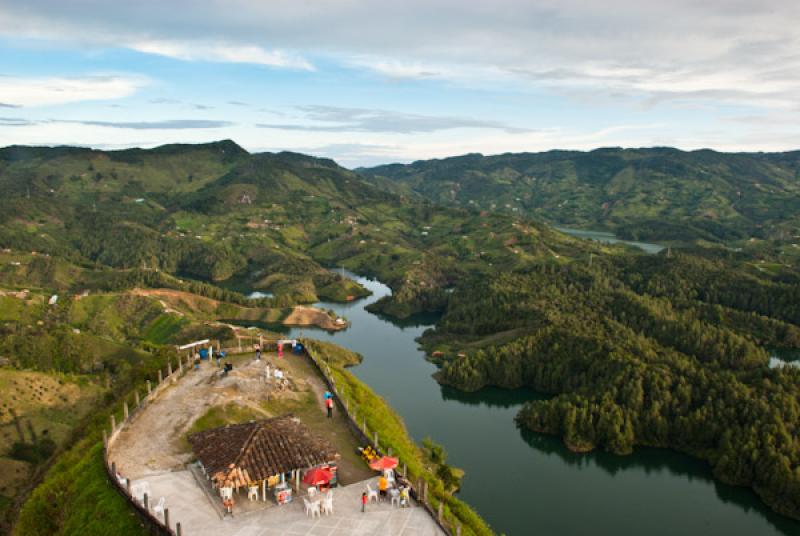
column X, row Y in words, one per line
column 317, row 476
column 386, row 462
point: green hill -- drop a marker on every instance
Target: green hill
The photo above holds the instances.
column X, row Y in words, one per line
column 649, row 194
column 272, row 222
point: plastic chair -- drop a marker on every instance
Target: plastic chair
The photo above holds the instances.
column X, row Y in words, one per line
column 371, row 494
column 226, row 493
column 327, row 505
column 159, row 507
column 252, row 492
column 312, row 491
column 395, row 495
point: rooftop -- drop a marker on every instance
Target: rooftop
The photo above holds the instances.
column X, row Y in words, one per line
column 257, row 450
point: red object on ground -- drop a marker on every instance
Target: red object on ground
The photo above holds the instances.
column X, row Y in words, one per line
column 317, row 476
column 386, row 462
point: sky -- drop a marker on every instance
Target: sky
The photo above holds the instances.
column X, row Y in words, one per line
column 372, row 82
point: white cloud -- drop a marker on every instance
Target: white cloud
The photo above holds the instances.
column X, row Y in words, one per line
column 47, row 91
column 341, row 119
column 221, row 52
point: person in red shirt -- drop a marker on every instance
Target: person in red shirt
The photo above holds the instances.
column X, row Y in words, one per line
column 329, row 405
column 364, row 502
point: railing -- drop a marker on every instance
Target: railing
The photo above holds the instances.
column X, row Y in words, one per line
column 419, row 491
column 143, row 508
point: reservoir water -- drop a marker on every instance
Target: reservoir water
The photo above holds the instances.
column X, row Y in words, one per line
column 526, row 483
column 609, row 238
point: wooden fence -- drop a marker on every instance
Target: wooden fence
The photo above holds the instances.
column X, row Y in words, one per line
column 161, row 526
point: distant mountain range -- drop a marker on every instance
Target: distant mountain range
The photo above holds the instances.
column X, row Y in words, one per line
column 648, row 194
column 267, row 221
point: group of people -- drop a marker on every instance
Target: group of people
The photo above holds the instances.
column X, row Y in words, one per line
column 207, row 353
column 389, row 487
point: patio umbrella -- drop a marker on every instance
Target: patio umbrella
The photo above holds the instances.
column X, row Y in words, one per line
column 317, row 476
column 384, row 463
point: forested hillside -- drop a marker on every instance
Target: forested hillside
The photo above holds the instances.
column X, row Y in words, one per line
column 665, row 350
column 646, row 350
column 649, row 194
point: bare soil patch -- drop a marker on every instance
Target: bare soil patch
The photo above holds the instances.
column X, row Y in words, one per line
column 302, row 315
column 155, row 441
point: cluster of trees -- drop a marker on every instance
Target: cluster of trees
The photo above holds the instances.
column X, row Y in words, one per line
column 100, row 238
column 628, row 366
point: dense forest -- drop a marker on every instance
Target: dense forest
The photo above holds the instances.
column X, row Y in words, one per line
column 653, row 194
column 644, row 350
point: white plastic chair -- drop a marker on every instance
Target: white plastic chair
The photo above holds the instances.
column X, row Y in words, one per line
column 307, row 505
column 252, row 492
column 139, row 489
column 389, row 475
column 312, row 491
column 226, row 493
column 371, row 494
column 159, row 507
column 327, row 505
column 395, row 494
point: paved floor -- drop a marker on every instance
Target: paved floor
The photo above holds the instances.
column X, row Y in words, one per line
column 188, row 505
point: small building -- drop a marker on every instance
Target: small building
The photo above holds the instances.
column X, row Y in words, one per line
column 264, row 453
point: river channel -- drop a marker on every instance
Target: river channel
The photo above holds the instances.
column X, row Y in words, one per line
column 526, row 483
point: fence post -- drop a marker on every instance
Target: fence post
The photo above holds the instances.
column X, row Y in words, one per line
column 425, row 491
column 178, row 528
column 149, row 388
column 441, row 510
column 375, row 439
column 128, row 486
column 160, row 377
column 169, row 367
column 125, row 410
column 146, row 507
column 114, row 469
column 166, row 517
column 105, row 439
column 364, row 425
column 136, row 397
column 113, row 423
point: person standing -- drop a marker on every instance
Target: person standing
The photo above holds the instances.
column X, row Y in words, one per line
column 258, row 353
column 329, row 405
column 363, row 502
column 383, row 485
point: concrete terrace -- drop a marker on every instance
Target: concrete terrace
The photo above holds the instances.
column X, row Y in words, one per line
column 151, row 451
column 188, row 504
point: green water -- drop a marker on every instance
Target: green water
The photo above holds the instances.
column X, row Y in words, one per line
column 526, row 483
